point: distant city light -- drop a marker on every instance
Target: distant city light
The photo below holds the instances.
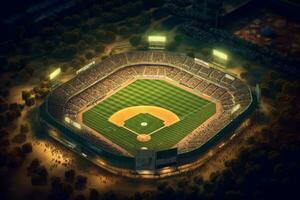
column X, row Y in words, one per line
column 156, row 38
column 220, row 54
column 55, row 73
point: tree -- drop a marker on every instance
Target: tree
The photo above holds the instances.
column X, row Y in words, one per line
column 3, row 133
column 39, row 176
column 198, row 180
column 135, row 40
column 26, row 148
column 12, row 115
column 94, row 194
column 81, row 182
column 3, row 105
column 110, row 195
column 4, row 92
column 33, row 166
column 208, row 10
column 71, row 37
column 89, row 55
column 172, row 46
column 30, row 101
column 19, row 138
column 89, row 39
column 191, row 54
column 99, row 34
column 70, row 175
column 100, row 48
column 124, row 31
column 80, row 197
column 71, row 20
column 109, row 37
column 24, row 128
column 60, row 190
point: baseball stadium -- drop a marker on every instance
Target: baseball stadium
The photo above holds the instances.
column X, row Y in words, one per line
column 139, row 113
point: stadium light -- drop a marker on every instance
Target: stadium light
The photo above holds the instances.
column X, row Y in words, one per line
column 166, row 170
column 54, row 133
column 76, row 125
column 68, row 120
column 220, row 54
column 85, row 67
column 157, row 38
column 201, row 62
column 99, row 161
column 55, row 73
column 70, row 144
column 229, row 77
column 84, row 155
column 235, row 108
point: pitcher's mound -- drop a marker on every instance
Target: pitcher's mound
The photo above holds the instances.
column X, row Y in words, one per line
column 143, row 138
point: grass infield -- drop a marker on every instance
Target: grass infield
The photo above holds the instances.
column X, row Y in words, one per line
column 191, row 109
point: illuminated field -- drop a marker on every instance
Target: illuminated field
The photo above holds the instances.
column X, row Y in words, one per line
column 191, row 109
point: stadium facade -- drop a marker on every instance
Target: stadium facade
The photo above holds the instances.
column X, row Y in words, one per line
column 59, row 113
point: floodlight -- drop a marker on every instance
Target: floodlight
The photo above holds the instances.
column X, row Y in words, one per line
column 229, row 77
column 85, row 67
column 55, row 73
column 220, row 54
column 197, row 60
column 76, row 125
column 68, row 120
column 84, row 155
column 235, row 108
column 156, row 38
column 99, row 161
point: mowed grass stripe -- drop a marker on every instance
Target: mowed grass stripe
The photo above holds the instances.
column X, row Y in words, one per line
column 168, row 95
column 139, row 92
column 126, row 135
column 169, row 90
column 160, row 90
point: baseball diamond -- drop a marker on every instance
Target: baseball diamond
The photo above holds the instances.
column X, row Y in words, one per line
column 191, row 110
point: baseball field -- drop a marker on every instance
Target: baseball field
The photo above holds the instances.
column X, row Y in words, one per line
column 148, row 113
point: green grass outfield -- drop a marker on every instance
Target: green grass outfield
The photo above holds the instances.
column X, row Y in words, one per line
column 191, row 109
